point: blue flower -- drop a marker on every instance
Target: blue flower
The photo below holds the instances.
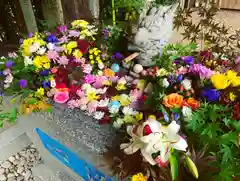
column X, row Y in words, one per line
column 44, row 72
column 22, row 83
column 176, row 116
column 115, row 67
column 114, row 106
column 46, row 84
column 188, row 60
column 180, row 78
column 52, row 39
column 212, row 95
column 166, row 117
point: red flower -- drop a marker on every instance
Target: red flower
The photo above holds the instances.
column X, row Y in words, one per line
column 106, row 120
column 83, row 45
column 103, row 109
column 236, row 111
column 191, row 102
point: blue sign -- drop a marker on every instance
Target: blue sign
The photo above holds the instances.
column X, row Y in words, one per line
column 70, row 159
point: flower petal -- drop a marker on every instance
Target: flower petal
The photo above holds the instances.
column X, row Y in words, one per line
column 180, row 145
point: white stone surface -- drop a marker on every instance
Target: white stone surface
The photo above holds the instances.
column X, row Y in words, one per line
column 18, row 167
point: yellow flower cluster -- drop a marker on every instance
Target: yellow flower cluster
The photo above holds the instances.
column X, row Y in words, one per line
column 40, row 92
column 222, row 81
column 86, row 29
column 29, row 42
column 95, row 56
column 92, row 94
column 139, row 177
column 70, row 46
column 41, row 62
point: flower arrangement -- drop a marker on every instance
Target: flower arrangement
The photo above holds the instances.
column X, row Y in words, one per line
column 164, row 112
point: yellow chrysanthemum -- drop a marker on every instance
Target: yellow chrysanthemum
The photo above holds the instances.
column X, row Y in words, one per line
column 79, row 24
column 39, row 92
column 220, row 81
column 139, row 177
column 129, row 119
column 69, row 47
column 92, row 94
column 41, row 61
column 77, row 54
column 115, row 98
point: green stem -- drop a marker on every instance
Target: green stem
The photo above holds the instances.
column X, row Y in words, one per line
column 113, row 13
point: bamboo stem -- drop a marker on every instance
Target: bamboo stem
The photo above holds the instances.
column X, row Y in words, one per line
column 113, row 13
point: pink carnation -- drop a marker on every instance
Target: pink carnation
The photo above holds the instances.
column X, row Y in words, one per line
column 87, row 68
column 99, row 81
column 73, row 104
column 92, row 106
column 61, row 97
column 53, row 55
column 63, row 60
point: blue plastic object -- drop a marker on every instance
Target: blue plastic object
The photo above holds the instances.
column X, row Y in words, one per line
column 70, row 159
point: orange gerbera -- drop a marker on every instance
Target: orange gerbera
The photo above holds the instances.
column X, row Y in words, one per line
column 173, row 100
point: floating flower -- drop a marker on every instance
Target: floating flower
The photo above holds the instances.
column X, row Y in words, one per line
column 220, row 81
column 173, row 100
column 115, row 67
column 63, row 60
column 61, row 97
column 52, row 39
column 128, row 111
column 89, row 79
column 77, row 54
column 189, row 60
column 103, row 102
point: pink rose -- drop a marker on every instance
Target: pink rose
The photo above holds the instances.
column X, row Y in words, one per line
column 61, row 97
column 87, row 68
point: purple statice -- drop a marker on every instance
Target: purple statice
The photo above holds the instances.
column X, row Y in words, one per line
column 212, row 95
column 62, row 29
column 44, row 72
column 52, row 39
column 201, row 70
column 22, row 83
column 9, row 64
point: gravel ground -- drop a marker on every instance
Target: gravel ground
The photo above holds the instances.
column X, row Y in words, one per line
column 18, row 167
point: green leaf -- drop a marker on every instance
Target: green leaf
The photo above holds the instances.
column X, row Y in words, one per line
column 227, row 154
column 176, row 110
column 31, row 100
column 174, row 166
column 236, row 125
column 229, row 138
column 192, row 167
column 13, row 116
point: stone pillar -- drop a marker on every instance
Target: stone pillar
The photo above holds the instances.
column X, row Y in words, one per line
column 94, row 8
column 53, row 13
column 28, row 14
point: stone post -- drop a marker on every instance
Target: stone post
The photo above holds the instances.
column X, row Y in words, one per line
column 94, row 8
column 28, row 14
column 53, row 13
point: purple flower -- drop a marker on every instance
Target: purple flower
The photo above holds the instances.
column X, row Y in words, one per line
column 74, row 33
column 119, row 56
column 30, row 35
column 62, row 28
column 188, row 60
column 44, row 72
column 52, row 39
column 212, row 95
column 89, row 79
column 22, row 83
column 176, row 116
column 9, row 64
column 166, row 117
column 202, row 71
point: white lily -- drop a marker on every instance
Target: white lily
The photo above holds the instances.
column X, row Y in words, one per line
column 161, row 138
